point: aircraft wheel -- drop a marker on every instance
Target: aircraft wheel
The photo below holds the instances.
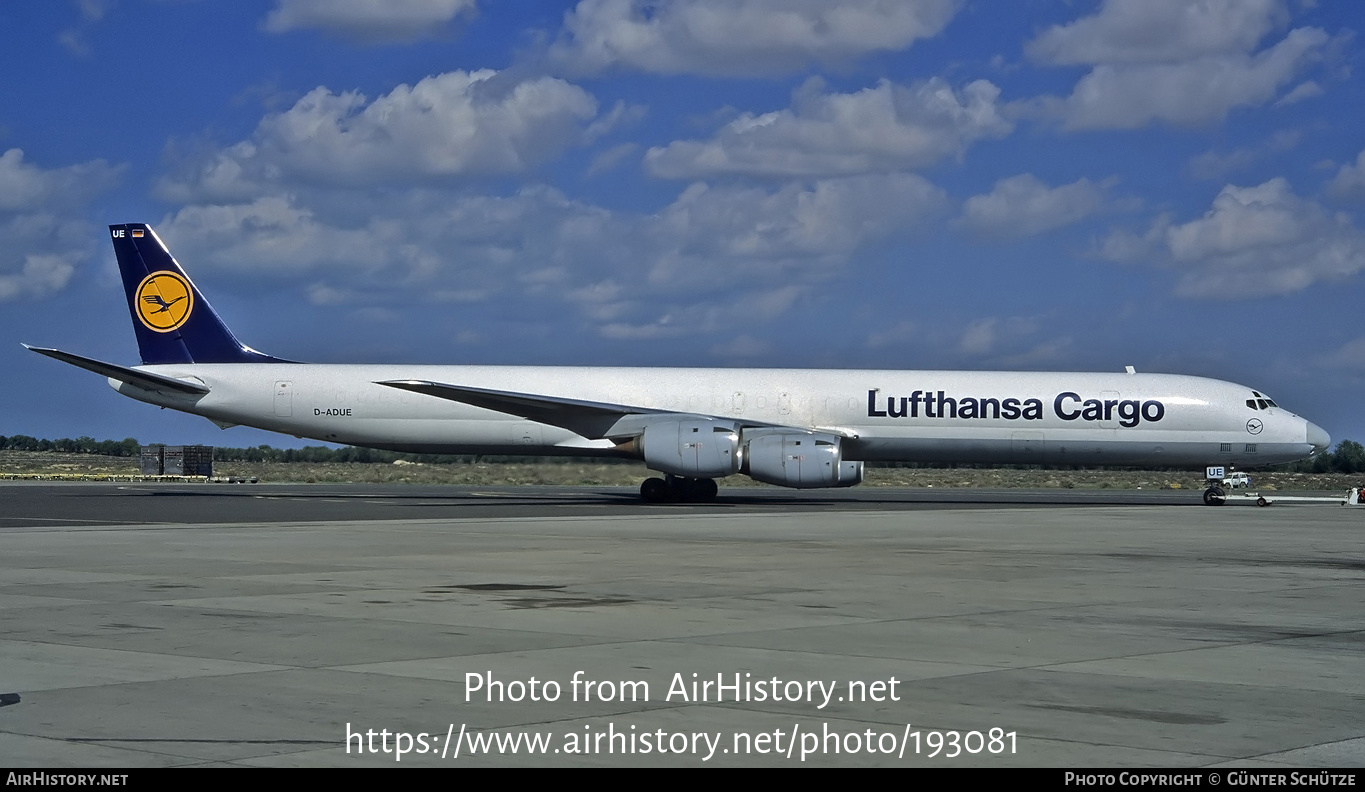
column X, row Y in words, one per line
column 696, row 490
column 1214, row 496
column 654, row 490
column 1261, row 501
column 708, row 489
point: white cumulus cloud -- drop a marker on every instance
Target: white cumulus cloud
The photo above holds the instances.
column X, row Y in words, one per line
column 1175, row 62
column 1155, row 31
column 1349, row 183
column 44, row 222
column 1024, row 205
column 368, row 20
column 1302, row 92
column 448, row 125
column 739, row 37
column 1349, row 357
column 997, row 335
column 717, row 258
column 1252, row 242
column 887, row 127
column 1200, row 91
column 1214, row 164
column 24, row 185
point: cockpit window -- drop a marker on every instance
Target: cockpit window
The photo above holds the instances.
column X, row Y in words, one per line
column 1260, row 404
column 1252, row 404
column 1271, row 402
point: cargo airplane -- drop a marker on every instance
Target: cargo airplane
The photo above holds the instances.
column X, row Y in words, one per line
column 790, row 427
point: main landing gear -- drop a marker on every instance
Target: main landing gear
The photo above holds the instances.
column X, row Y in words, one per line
column 673, row 489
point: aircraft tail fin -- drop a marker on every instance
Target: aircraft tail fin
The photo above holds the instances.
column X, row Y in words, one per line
column 172, row 320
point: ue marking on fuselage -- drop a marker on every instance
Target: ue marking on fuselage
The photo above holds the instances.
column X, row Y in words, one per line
column 1068, row 406
column 343, row 412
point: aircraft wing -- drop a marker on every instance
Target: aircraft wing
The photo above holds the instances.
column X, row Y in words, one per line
column 144, row 379
column 593, row 420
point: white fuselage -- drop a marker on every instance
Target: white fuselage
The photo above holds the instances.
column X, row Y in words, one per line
column 912, row 416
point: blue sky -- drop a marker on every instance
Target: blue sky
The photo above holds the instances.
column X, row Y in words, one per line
column 975, row 184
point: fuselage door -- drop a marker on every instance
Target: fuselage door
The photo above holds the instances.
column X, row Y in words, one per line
column 284, row 399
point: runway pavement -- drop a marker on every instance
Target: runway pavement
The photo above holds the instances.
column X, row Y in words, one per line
column 152, row 625
column 83, row 503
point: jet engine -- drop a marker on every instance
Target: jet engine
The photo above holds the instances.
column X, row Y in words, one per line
column 693, row 449
column 800, row 461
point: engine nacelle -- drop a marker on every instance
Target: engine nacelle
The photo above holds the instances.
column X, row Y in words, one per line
column 800, row 461
column 694, row 449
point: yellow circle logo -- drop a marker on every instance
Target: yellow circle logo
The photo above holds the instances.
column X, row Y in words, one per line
column 164, row 301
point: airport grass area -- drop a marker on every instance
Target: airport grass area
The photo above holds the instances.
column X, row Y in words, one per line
column 587, row 473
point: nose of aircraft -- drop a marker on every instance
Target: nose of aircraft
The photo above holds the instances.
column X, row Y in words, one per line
column 1317, row 438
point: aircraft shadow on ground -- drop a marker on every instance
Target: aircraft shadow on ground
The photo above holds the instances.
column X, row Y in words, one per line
column 520, row 496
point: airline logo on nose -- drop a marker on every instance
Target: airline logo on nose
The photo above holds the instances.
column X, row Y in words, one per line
column 164, row 301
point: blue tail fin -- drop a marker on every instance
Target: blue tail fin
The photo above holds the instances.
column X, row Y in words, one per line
column 173, row 321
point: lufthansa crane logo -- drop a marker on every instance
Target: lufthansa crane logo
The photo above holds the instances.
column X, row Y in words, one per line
column 1255, row 426
column 164, row 301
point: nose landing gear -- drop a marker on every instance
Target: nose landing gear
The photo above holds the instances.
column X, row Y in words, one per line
column 1215, row 496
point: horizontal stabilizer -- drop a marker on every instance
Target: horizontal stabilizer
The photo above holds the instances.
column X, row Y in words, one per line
column 143, row 379
column 593, row 420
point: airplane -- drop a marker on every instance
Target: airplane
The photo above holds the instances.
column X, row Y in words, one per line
column 795, row 428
